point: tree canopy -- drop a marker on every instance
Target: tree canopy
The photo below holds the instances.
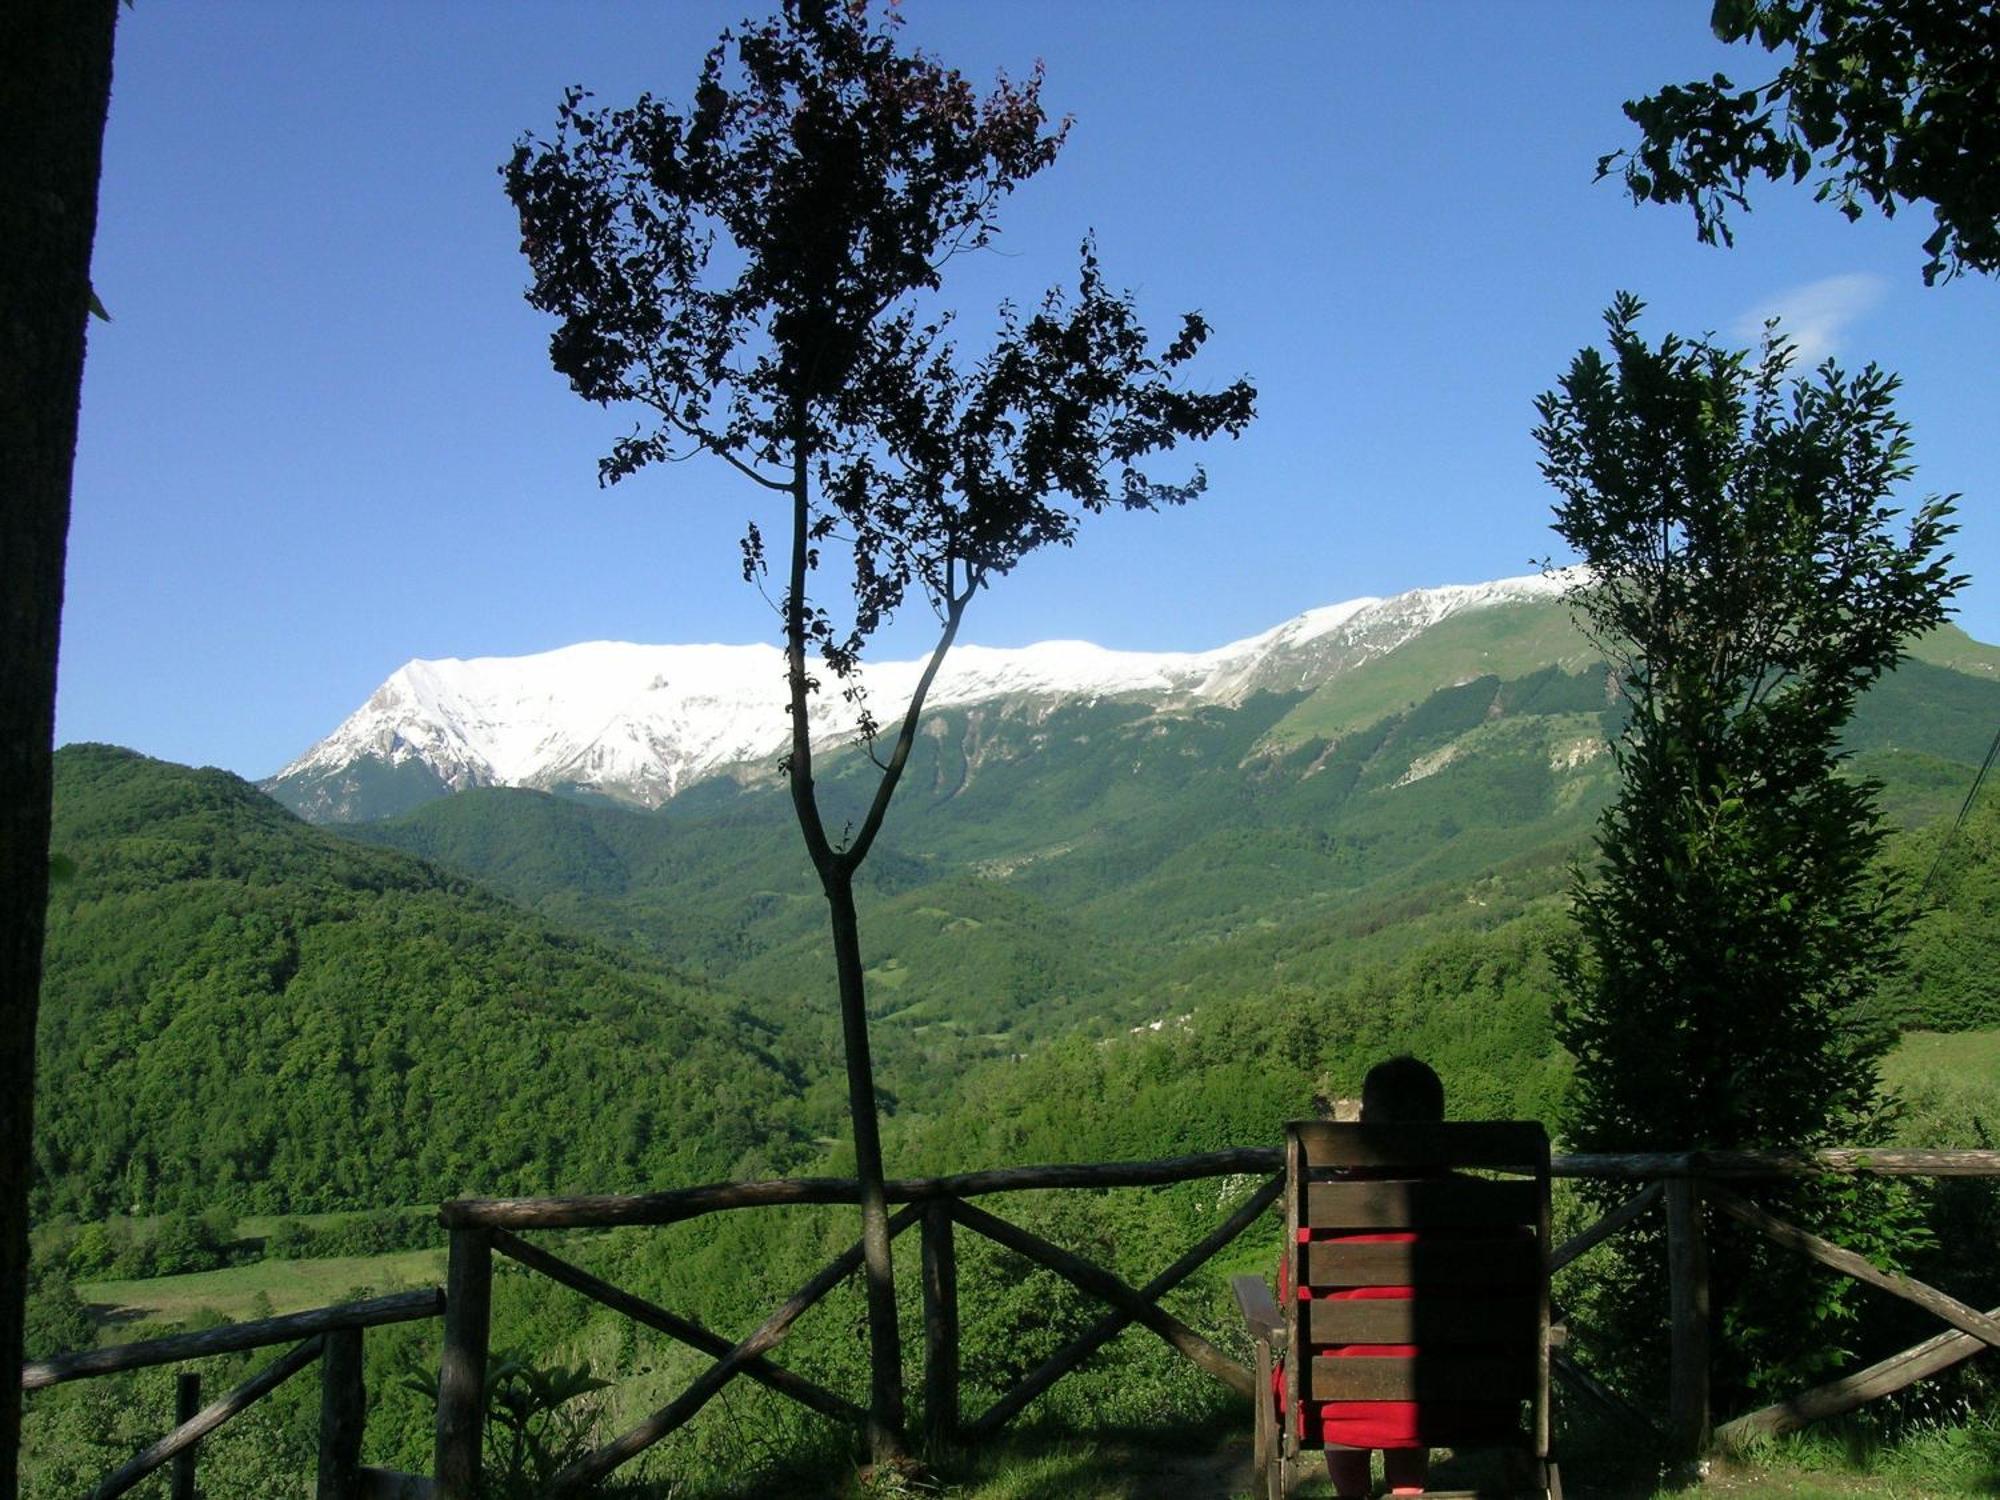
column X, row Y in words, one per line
column 1746, row 570
column 1894, row 101
column 753, row 273
column 758, row 273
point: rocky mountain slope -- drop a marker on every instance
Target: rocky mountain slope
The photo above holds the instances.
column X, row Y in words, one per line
column 641, row 723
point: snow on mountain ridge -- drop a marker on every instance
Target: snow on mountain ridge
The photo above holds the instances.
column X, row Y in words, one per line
column 646, row 721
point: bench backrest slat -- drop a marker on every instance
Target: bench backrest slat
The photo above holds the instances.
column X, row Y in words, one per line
column 1419, row 1258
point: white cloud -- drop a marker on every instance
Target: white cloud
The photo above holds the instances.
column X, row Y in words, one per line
column 1814, row 316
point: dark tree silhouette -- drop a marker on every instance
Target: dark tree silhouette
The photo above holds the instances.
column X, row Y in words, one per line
column 55, row 86
column 1899, row 101
column 1749, row 577
column 755, row 273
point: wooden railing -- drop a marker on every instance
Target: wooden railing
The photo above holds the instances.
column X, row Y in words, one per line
column 1684, row 1183
column 936, row 1206
column 1680, row 1185
column 331, row 1335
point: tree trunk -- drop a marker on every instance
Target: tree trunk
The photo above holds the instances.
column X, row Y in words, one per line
column 885, row 1405
column 55, row 86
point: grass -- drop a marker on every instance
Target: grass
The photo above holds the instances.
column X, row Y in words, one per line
column 1947, row 1057
column 1212, row 1463
column 1843, row 1459
column 267, row 1289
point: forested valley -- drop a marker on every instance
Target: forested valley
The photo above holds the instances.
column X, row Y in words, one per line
column 267, row 1047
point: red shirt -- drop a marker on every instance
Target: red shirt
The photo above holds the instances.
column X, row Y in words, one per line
column 1353, row 1424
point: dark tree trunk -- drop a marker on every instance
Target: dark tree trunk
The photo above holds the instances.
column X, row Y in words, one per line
column 55, row 85
column 885, row 1405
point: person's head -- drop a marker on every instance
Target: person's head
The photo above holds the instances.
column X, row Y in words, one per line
column 1401, row 1091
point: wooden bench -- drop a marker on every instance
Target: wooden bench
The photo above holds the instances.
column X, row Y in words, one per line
column 1475, row 1196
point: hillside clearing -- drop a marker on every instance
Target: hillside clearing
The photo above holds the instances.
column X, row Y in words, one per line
column 269, row 1288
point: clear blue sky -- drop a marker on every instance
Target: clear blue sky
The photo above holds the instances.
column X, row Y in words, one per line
column 321, row 436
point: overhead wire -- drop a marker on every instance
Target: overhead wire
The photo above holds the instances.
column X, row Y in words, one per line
column 1965, row 807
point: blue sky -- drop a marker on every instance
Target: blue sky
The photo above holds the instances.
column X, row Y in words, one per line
column 321, row 435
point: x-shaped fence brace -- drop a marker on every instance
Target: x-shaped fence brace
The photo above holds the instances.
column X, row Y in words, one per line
column 1678, row 1181
column 332, row 1336
column 747, row 1357
column 1974, row 1332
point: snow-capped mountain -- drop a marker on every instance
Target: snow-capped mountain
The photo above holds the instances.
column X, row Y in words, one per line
column 641, row 723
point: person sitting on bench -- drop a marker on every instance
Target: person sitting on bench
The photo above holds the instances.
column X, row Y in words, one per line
column 1400, row 1091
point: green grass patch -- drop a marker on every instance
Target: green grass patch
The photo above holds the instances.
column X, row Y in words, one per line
column 1211, row 1461
column 1943, row 1057
column 267, row 1289
column 1851, row 1458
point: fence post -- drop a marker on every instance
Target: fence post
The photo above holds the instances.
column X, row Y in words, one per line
column 940, row 1327
column 1688, row 1415
column 187, row 1402
column 343, row 1406
column 461, row 1412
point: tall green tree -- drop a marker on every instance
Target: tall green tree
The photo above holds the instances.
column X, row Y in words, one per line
column 1748, row 576
column 1894, row 101
column 55, row 88
column 757, row 274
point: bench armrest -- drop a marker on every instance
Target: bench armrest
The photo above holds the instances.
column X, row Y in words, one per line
column 1260, row 1312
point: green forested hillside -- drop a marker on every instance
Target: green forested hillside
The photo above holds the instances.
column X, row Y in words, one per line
column 1049, row 868
column 246, row 1012
column 1951, row 977
column 1143, row 830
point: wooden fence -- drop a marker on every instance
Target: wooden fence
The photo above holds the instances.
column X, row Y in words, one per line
column 1685, row 1187
column 1684, row 1184
column 936, row 1206
column 330, row 1335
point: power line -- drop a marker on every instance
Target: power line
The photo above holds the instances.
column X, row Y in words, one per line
column 1965, row 807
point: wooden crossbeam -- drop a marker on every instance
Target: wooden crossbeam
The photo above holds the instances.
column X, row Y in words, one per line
column 1120, row 1318
column 1435, row 1203
column 1440, row 1321
column 1506, row 1145
column 1772, row 1165
column 1102, row 1284
column 1883, row 1378
column 1424, row 1264
column 205, row 1421
column 593, row 1466
column 235, row 1338
column 1966, row 1319
column 1625, row 1213
column 605, row 1210
column 674, row 1205
column 1603, row 1396
column 689, row 1332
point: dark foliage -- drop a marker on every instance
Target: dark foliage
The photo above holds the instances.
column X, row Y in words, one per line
column 1747, row 572
column 1894, row 100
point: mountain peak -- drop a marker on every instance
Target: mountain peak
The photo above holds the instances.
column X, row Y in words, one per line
column 641, row 722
